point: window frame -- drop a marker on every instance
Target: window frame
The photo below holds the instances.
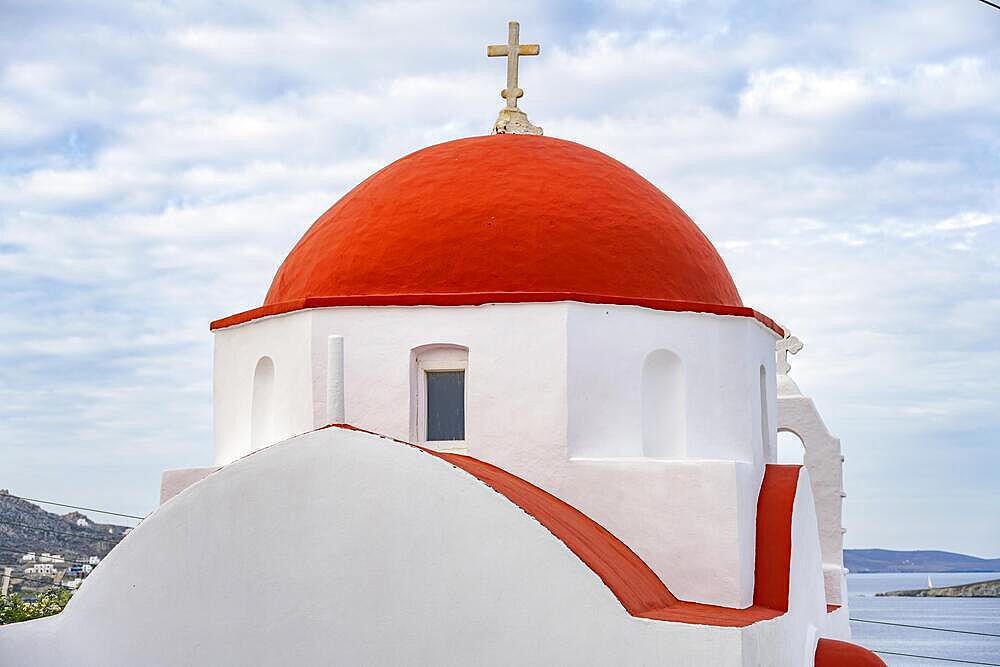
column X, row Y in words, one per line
column 448, row 403
column 438, row 358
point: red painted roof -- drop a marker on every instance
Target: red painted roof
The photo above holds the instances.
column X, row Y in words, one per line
column 835, row 653
column 503, row 218
column 773, row 560
column 636, row 586
column 632, row 581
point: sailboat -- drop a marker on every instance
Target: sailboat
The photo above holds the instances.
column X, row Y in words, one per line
column 930, row 584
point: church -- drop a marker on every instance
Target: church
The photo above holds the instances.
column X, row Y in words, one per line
column 505, row 401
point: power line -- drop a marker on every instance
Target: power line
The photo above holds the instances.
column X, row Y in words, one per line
column 927, row 627
column 991, row 4
column 930, row 657
column 74, row 507
column 97, row 538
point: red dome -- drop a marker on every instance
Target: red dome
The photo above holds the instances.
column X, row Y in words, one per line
column 503, row 218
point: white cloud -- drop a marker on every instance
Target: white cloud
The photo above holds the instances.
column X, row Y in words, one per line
column 959, row 85
column 158, row 162
column 795, row 92
column 966, row 220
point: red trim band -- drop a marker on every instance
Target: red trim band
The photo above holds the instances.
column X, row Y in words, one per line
column 482, row 298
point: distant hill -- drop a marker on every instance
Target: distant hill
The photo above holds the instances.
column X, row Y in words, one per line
column 885, row 560
column 978, row 589
column 25, row 527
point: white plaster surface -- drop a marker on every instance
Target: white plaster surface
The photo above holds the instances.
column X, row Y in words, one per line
column 721, row 355
column 554, row 394
column 839, row 624
column 421, row 565
column 791, row 639
column 262, row 405
column 335, row 380
column 664, row 406
column 807, row 616
column 287, row 341
column 173, row 482
column 822, row 458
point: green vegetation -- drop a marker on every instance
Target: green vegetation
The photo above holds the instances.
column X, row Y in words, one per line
column 13, row 609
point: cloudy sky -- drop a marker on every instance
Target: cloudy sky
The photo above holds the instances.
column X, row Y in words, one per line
column 158, row 159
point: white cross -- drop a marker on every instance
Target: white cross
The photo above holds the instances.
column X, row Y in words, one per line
column 787, row 345
column 512, row 50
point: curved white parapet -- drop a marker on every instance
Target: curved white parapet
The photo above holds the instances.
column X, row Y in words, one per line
column 798, row 414
column 340, row 547
column 173, row 482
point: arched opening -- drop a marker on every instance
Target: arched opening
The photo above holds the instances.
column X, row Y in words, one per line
column 791, row 449
column 765, row 423
column 262, row 431
column 664, row 409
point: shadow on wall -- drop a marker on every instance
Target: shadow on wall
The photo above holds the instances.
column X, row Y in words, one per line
column 765, row 425
column 664, row 406
column 262, row 406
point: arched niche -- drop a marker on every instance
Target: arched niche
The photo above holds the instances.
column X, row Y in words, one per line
column 262, row 429
column 791, row 449
column 664, row 406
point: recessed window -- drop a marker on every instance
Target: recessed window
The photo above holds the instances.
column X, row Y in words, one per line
column 438, row 401
column 445, row 405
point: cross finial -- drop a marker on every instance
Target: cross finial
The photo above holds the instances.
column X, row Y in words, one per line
column 787, row 345
column 511, row 119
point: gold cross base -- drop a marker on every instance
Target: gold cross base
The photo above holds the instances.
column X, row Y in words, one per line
column 514, row 121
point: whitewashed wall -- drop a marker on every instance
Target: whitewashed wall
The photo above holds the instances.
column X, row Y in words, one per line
column 554, row 396
column 791, row 639
column 808, row 618
column 287, row 341
column 721, row 356
column 590, row 356
column 822, row 457
column 410, row 561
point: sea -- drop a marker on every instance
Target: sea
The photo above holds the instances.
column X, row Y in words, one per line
column 973, row 614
